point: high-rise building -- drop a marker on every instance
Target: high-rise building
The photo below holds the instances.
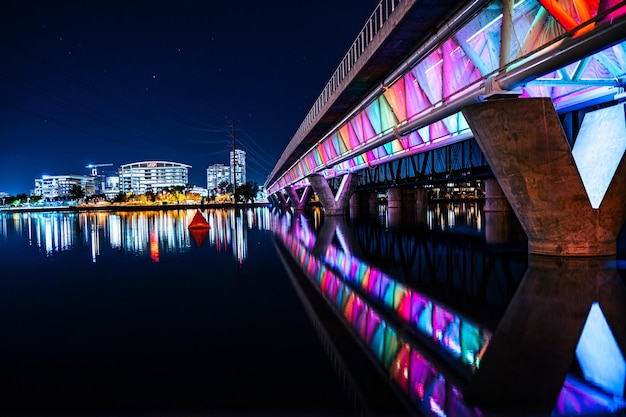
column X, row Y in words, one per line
column 216, row 174
column 238, row 167
column 140, row 177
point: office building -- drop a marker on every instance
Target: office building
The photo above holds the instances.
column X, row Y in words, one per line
column 140, row 177
column 59, row 186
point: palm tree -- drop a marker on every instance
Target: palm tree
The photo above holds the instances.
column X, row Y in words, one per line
column 76, row 192
column 248, row 191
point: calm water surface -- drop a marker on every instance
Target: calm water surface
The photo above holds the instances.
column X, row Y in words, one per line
column 126, row 312
column 293, row 314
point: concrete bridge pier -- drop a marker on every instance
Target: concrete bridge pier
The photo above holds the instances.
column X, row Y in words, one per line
column 421, row 204
column 406, row 206
column 499, row 216
column 298, row 202
column 364, row 203
column 334, row 205
column 562, row 211
column 372, row 203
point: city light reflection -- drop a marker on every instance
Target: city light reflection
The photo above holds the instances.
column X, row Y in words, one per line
column 152, row 234
column 455, row 215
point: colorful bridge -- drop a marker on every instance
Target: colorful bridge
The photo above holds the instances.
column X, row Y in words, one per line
column 424, row 75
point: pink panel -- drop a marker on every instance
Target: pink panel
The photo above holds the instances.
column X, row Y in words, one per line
column 441, row 320
column 459, row 71
column 357, row 126
column 448, row 73
column 353, row 138
column 422, row 375
column 607, row 4
column 416, row 100
column 373, row 323
column 360, row 316
column 414, row 139
column 438, row 130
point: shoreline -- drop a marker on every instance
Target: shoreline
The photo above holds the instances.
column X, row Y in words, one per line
column 127, row 207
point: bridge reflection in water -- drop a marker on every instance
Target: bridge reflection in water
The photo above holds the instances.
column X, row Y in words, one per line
column 458, row 327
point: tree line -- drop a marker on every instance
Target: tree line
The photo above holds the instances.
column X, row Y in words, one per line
column 247, row 192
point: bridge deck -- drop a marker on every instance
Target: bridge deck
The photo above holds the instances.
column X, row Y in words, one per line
column 413, row 22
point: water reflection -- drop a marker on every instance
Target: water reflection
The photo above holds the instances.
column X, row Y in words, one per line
column 142, row 233
column 392, row 320
column 560, row 338
column 541, row 356
column 465, row 215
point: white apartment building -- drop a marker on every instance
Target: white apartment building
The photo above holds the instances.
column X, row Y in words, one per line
column 140, row 177
column 215, row 174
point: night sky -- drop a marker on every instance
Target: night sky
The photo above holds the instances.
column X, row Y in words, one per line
column 125, row 81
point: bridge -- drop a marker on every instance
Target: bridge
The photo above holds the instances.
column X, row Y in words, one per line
column 527, row 93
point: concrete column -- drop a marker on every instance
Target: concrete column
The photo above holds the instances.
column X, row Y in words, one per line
column 297, row 202
column 495, row 200
column 372, row 203
column 334, row 205
column 498, row 214
column 358, row 203
column 524, row 144
column 401, row 206
column 421, row 205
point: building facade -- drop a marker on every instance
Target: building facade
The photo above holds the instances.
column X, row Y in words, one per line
column 238, row 167
column 59, row 186
column 216, row 174
column 140, row 177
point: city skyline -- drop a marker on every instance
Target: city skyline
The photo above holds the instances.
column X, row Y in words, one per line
column 114, row 82
column 113, row 170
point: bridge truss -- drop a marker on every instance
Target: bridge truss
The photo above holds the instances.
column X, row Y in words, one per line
column 456, row 162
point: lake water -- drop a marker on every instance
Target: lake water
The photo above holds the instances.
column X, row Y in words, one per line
column 129, row 313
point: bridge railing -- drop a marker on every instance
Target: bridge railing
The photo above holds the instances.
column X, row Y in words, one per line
column 374, row 24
